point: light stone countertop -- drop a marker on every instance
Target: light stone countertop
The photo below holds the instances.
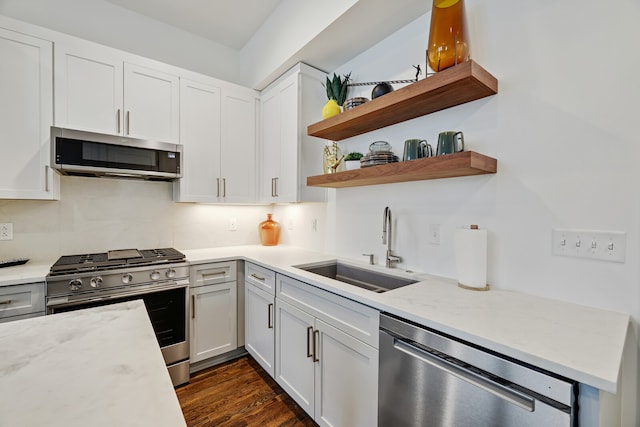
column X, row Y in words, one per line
column 95, row 367
column 582, row 343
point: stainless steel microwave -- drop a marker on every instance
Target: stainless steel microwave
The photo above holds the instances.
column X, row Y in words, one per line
column 75, row 152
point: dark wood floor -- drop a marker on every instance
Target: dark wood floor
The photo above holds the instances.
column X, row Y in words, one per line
column 238, row 393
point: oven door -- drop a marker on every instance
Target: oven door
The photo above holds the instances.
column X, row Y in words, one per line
column 167, row 308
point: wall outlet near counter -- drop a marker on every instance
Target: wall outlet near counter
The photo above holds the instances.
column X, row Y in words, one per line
column 6, row 231
column 590, row 244
column 434, row 234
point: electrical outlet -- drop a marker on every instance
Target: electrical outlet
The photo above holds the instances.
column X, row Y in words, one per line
column 590, row 244
column 290, row 223
column 434, row 234
column 233, row 224
column 314, row 224
column 6, row 231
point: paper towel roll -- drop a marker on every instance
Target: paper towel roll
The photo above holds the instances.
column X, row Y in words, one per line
column 471, row 258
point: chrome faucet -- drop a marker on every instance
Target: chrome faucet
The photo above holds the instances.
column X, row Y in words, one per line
column 391, row 259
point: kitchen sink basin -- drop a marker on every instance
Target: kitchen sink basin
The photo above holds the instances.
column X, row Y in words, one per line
column 370, row 280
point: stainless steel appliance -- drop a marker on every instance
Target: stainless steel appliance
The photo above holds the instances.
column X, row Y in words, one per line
column 427, row 379
column 75, row 152
column 160, row 277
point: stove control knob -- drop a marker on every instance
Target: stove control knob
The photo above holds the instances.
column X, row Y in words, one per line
column 75, row 284
column 96, row 282
column 171, row 273
column 155, row 275
column 127, row 278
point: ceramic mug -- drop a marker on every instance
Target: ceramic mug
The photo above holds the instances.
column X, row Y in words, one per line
column 416, row 149
column 450, row 142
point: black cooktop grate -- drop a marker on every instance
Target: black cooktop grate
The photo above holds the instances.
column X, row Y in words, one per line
column 101, row 261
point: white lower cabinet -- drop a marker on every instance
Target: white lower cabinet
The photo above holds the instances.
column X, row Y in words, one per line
column 330, row 373
column 213, row 320
column 259, row 316
column 21, row 301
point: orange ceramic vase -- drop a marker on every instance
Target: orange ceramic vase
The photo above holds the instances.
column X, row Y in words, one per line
column 448, row 35
column 269, row 232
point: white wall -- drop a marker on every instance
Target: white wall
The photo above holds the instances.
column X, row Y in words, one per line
column 564, row 128
column 105, row 23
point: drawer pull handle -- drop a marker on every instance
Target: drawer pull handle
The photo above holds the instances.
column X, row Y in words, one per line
column 216, row 274
column 316, row 337
column 255, row 276
column 309, row 329
column 7, row 302
column 193, row 306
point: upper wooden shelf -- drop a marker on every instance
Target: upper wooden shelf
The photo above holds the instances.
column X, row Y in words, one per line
column 457, row 85
column 464, row 163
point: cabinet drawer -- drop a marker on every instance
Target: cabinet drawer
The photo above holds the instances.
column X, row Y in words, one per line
column 211, row 274
column 263, row 278
column 18, row 300
column 355, row 319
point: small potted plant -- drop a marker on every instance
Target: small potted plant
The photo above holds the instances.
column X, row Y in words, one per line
column 336, row 94
column 352, row 160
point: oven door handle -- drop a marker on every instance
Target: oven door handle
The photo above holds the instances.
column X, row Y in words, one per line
column 64, row 302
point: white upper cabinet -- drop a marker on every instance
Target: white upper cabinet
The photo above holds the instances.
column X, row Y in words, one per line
column 26, row 114
column 288, row 155
column 151, row 104
column 218, row 132
column 200, row 136
column 239, row 145
column 98, row 91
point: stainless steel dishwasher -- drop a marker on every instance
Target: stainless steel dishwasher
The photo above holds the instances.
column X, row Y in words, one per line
column 430, row 380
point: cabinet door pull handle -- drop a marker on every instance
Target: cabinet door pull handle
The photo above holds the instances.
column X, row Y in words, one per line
column 7, row 302
column 309, row 329
column 316, row 344
column 217, row 187
column 255, row 276
column 46, row 178
column 270, row 316
column 128, row 122
column 276, row 181
column 273, row 190
column 224, row 187
column 193, row 306
column 118, row 120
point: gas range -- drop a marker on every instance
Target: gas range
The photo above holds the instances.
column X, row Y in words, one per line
column 121, row 270
column 159, row 277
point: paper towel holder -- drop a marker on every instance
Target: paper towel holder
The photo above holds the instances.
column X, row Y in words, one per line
column 475, row 288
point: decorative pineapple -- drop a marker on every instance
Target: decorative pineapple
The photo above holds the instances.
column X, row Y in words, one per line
column 336, row 94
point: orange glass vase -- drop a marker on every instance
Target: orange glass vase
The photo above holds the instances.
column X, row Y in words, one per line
column 269, row 232
column 448, row 35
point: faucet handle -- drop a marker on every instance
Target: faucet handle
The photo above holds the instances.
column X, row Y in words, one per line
column 370, row 258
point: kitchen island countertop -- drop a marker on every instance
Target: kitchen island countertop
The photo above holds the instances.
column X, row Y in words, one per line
column 94, row 367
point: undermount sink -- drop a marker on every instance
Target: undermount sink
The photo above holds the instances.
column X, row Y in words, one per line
column 370, row 280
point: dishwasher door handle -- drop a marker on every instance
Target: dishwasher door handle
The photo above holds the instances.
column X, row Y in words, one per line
column 519, row 399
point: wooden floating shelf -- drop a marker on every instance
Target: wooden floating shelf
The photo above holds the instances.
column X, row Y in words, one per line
column 457, row 85
column 465, row 163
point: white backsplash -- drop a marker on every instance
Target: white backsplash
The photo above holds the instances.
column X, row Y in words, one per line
column 98, row 214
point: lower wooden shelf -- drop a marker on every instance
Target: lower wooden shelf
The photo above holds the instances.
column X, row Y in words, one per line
column 465, row 163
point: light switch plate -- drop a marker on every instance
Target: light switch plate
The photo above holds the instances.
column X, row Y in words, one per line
column 590, row 244
column 233, row 224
